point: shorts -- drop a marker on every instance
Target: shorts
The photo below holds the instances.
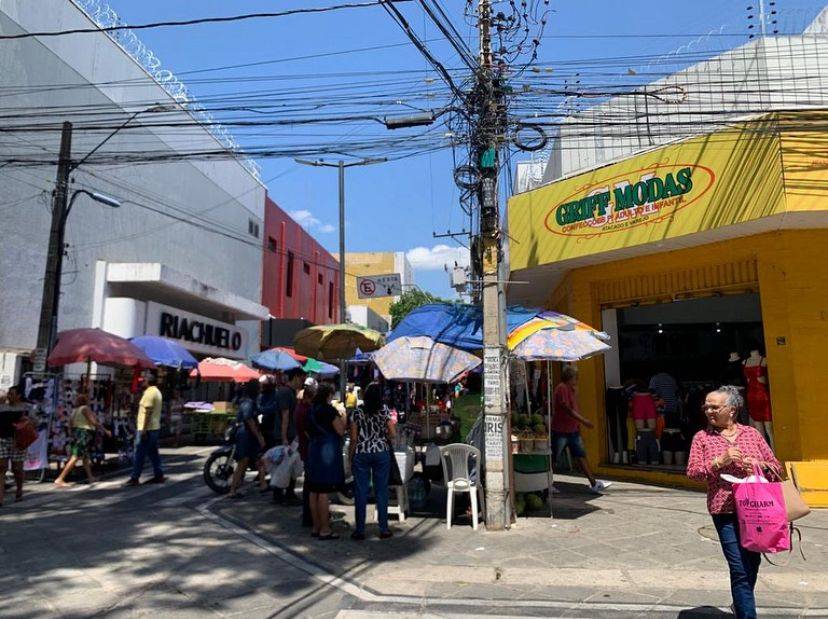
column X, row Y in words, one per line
column 9, row 452
column 573, row 440
column 81, row 442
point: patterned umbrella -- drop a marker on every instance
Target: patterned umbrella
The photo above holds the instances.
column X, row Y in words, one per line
column 551, row 320
column 336, row 342
column 560, row 345
column 423, row 359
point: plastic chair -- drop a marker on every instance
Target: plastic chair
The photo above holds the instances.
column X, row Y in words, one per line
column 459, row 477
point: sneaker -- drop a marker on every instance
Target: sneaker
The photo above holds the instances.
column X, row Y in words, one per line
column 157, row 480
column 358, row 537
column 132, row 482
column 386, row 535
column 599, row 486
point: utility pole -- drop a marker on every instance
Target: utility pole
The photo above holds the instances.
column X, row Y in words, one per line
column 341, row 165
column 54, row 258
column 490, row 128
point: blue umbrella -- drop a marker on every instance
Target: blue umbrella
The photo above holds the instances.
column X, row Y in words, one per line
column 275, row 360
column 165, row 352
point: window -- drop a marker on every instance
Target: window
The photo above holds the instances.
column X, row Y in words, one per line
column 253, row 227
column 271, row 244
column 306, row 268
column 330, row 300
column 289, row 278
column 320, row 279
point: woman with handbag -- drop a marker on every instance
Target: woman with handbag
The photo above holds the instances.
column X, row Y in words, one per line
column 728, row 447
column 84, row 424
column 12, row 412
column 372, row 429
column 325, row 469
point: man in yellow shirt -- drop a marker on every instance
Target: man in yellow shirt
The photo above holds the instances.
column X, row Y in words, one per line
column 147, row 429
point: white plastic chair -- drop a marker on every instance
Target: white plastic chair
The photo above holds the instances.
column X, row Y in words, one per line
column 460, row 477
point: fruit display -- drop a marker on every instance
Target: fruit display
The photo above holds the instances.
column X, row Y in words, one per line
column 530, row 433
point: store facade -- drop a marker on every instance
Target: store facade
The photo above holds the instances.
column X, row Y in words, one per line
column 700, row 258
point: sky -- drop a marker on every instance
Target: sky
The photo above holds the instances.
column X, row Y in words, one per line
column 399, row 205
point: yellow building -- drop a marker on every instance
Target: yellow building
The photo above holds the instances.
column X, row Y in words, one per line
column 686, row 254
column 360, row 264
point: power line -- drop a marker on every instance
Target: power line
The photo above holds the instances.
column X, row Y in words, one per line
column 196, row 21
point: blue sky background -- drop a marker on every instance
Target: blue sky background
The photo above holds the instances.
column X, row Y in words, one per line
column 397, row 206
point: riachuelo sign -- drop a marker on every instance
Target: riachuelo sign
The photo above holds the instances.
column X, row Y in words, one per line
column 638, row 197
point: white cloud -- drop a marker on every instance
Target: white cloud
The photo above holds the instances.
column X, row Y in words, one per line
column 309, row 222
column 435, row 258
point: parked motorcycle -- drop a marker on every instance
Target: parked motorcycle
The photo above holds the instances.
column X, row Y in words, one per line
column 218, row 470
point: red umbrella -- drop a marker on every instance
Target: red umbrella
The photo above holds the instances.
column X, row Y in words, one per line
column 87, row 345
column 297, row 357
column 220, row 369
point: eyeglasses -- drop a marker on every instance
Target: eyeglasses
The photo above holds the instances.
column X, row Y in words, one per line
column 712, row 407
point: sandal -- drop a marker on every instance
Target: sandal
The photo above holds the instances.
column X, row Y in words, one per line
column 324, row 538
column 236, row 496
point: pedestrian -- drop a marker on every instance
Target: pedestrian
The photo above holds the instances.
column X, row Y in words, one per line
column 147, row 429
column 83, row 424
column 286, row 427
column 250, row 443
column 325, row 472
column 303, row 408
column 351, row 400
column 728, row 447
column 267, row 406
column 12, row 411
column 371, row 433
column 566, row 426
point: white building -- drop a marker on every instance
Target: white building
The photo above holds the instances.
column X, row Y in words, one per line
column 186, row 241
column 766, row 74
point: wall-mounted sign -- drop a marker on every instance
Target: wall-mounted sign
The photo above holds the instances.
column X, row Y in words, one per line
column 634, row 198
column 196, row 333
column 375, row 286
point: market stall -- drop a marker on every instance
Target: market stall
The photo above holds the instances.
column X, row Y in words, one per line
column 210, row 419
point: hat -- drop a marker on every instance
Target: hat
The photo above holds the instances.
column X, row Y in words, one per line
column 310, row 381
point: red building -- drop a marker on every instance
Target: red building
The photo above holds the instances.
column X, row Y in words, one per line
column 300, row 278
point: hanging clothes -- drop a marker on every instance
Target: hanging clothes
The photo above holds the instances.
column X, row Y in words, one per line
column 758, row 398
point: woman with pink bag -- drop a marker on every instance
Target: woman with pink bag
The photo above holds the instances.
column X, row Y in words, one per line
column 727, row 447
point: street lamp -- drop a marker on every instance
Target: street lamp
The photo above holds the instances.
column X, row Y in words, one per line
column 61, row 206
column 341, row 165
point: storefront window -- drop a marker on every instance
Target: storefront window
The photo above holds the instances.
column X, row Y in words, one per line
column 668, row 357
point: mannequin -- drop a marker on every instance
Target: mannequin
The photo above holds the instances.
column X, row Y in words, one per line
column 755, row 369
column 644, row 413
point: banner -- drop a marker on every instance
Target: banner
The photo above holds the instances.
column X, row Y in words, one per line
column 701, row 184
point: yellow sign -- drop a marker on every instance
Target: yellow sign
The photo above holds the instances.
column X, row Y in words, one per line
column 700, row 184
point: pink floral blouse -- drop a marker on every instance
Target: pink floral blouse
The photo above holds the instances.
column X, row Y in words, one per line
column 709, row 444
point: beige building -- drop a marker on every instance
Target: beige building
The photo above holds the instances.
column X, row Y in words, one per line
column 358, row 264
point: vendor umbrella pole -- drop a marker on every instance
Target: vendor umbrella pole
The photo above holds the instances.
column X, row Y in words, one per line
column 549, row 425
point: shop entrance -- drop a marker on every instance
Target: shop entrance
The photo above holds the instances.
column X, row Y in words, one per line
column 669, row 355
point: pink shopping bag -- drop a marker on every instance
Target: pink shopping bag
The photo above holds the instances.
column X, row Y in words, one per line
column 763, row 518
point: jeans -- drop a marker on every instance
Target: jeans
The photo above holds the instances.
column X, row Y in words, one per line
column 743, row 564
column 364, row 466
column 147, row 446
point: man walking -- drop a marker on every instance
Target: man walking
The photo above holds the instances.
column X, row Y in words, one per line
column 147, row 429
column 286, row 426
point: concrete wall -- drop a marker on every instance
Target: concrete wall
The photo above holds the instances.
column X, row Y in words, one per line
column 766, row 74
column 217, row 199
column 315, row 286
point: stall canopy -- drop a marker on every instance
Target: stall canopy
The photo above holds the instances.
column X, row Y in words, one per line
column 165, row 352
column 98, row 346
column 219, row 369
column 320, row 368
column 275, row 360
column 458, row 325
column 424, row 360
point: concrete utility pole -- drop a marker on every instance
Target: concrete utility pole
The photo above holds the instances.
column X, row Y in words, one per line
column 54, row 258
column 496, row 427
column 341, row 165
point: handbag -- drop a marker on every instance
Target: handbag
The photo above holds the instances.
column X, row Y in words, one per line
column 794, row 503
column 761, row 513
column 25, row 433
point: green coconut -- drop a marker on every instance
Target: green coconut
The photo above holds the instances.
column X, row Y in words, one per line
column 533, row 502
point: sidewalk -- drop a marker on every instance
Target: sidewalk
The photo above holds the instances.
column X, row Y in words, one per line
column 635, row 545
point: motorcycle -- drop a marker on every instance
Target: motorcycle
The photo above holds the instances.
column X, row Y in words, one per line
column 218, row 470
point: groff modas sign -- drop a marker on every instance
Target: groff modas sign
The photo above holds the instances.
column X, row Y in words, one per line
column 196, row 333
